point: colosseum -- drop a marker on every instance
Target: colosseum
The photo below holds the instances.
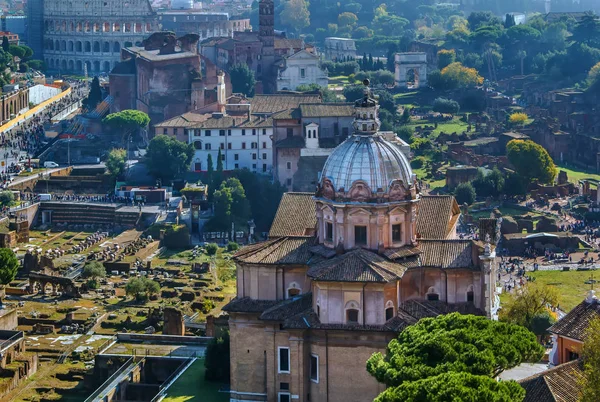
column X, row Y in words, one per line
column 79, row 33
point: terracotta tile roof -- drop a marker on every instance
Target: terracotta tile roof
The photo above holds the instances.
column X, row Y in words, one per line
column 446, row 254
column 309, row 320
column 290, row 142
column 402, row 252
column 327, row 110
column 436, row 216
column 357, row 265
column 288, row 308
column 234, row 121
column 559, row 384
column 268, row 104
column 287, row 114
column 185, row 120
column 248, row 305
column 287, row 43
column 279, row 251
column 575, row 323
column 296, row 216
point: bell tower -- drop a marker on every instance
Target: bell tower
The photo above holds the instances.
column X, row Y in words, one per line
column 266, row 34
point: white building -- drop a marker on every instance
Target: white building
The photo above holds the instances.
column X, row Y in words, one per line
column 339, row 48
column 244, row 141
column 301, row 68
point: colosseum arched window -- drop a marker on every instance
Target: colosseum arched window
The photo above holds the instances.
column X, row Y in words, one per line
column 63, row 64
column 97, row 27
column 88, row 46
column 127, row 27
column 56, row 45
column 138, row 27
column 78, row 47
column 117, row 47
column 106, row 47
column 64, row 26
column 116, row 27
column 78, row 27
column 96, row 47
column 106, row 27
column 63, row 46
column 71, row 65
column 107, row 66
column 127, row 44
column 71, row 26
column 79, row 65
column 88, row 27
column 96, row 66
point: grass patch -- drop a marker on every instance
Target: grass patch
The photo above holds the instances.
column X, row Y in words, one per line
column 576, row 174
column 571, row 285
column 453, row 126
column 191, row 387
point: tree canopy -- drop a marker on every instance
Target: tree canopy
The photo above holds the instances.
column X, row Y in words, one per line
column 116, row 162
column 167, row 157
column 529, row 302
column 93, row 269
column 450, row 345
column 465, row 193
column 242, row 79
column 127, row 120
column 141, row 288
column 9, row 265
column 295, row 14
column 590, row 382
column 531, row 161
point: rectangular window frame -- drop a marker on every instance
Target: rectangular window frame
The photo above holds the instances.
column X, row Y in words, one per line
column 314, row 379
column 399, row 239
column 280, row 394
column 279, row 350
column 366, row 242
column 329, row 231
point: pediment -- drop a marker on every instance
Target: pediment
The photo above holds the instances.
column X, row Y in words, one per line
column 359, row 212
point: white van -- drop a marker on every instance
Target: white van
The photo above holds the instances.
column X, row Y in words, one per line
column 45, row 197
column 50, row 164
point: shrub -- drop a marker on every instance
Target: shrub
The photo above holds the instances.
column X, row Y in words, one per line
column 6, row 198
column 92, row 284
column 443, row 105
column 211, row 248
column 465, row 193
column 418, row 162
column 232, row 246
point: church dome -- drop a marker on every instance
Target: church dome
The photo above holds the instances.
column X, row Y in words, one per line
column 366, row 167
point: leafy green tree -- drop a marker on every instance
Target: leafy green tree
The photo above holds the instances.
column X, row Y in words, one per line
column 9, row 265
column 451, row 345
column 167, row 157
column 94, row 96
column 127, row 122
column 353, row 92
column 531, row 161
column 327, row 95
column 116, row 162
column 295, row 14
column 455, row 387
column 212, row 248
column 142, row 288
column 17, row 51
column 347, row 19
column 465, row 193
column 37, row 65
column 490, row 184
column 443, row 105
column 406, row 133
column 509, row 21
column 530, row 302
column 231, row 206
column 242, row 79
column 217, row 359
column 93, row 269
column 6, row 198
column 478, row 19
column 5, row 44
column 446, row 57
column 590, row 383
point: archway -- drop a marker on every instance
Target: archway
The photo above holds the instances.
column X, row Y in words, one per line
column 63, row 65
column 70, row 46
column 78, row 46
column 96, row 66
column 96, row 47
column 71, row 65
column 106, row 47
column 107, row 66
column 79, row 65
column 411, row 69
column 117, row 47
column 88, row 46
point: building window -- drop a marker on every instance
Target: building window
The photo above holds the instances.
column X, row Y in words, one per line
column 228, row 132
column 289, row 165
column 264, row 131
column 236, row 166
column 290, row 132
column 470, row 295
column 397, row 233
column 254, row 156
column 254, row 166
column 223, row 157
column 236, row 157
column 207, row 133
column 264, row 167
column 222, row 133
column 432, row 295
column 264, row 156
column 284, row 386
column 329, row 231
column 254, row 145
column 360, row 235
column 264, row 145
column 389, row 313
column 284, row 397
column 293, row 293
column 222, row 145
column 284, row 360
column 572, row 355
column 175, row 131
column 243, row 132
column 253, row 131
column 243, row 145
column 207, row 147
column 352, row 316
column 288, row 182
column 302, row 73
column 314, row 368
column 229, row 145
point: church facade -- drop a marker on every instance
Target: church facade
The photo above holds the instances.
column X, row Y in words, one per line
column 345, row 270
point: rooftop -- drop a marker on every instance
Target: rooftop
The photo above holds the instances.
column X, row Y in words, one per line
column 153, row 55
column 436, row 216
column 296, row 216
column 308, row 110
column 188, row 119
column 268, row 104
column 575, row 323
column 559, row 384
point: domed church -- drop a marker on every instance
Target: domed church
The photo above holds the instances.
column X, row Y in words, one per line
column 345, row 269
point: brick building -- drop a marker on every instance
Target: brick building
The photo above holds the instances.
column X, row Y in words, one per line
column 345, row 270
column 166, row 77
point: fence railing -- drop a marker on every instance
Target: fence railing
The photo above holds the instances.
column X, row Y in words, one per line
column 102, row 388
column 179, row 371
column 5, row 344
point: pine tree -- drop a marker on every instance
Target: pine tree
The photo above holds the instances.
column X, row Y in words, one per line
column 370, row 62
column 5, row 44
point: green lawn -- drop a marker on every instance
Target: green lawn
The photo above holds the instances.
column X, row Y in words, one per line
column 453, row 126
column 192, row 387
column 571, row 285
column 577, row 174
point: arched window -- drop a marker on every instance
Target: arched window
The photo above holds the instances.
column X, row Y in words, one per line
column 389, row 310
column 432, row 295
column 352, row 312
column 293, row 290
column 470, row 294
